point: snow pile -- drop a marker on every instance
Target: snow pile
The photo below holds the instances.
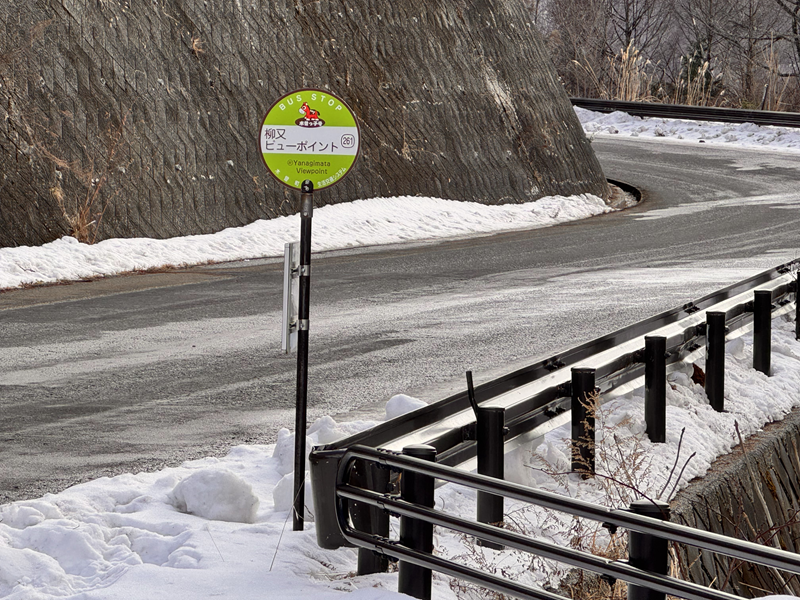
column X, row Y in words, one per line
column 743, row 135
column 324, row 431
column 215, row 528
column 347, row 225
column 401, row 404
column 218, row 495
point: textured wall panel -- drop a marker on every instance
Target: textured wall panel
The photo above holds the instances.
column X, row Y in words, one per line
column 149, row 110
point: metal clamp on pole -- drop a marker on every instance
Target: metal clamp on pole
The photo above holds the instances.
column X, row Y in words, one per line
column 306, row 210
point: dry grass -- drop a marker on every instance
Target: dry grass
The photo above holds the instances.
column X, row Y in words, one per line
column 629, row 76
column 694, row 91
column 625, row 76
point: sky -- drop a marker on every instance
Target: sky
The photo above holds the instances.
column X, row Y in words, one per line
column 220, row 527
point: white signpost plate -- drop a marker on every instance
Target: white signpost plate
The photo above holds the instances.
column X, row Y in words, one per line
column 291, row 291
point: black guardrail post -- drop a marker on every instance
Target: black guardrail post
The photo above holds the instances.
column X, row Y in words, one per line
column 648, row 552
column 415, row 534
column 491, row 459
column 370, row 519
column 715, row 359
column 655, row 387
column 583, row 414
column 762, row 330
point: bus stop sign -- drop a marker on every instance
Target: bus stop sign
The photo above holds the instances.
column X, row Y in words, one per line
column 309, row 134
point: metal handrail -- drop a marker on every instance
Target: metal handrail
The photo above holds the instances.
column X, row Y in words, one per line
column 538, row 395
column 705, row 540
column 741, row 549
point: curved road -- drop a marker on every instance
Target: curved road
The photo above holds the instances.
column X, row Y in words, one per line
column 137, row 372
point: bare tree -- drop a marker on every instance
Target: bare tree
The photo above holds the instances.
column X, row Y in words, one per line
column 792, row 9
column 640, row 23
column 701, row 23
column 578, row 37
column 731, row 52
column 753, row 38
column 595, row 43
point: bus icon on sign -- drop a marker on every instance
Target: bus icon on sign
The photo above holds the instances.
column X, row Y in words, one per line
column 348, row 141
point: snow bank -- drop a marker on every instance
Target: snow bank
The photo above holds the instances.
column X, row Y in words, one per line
column 218, row 527
column 743, row 135
column 347, row 225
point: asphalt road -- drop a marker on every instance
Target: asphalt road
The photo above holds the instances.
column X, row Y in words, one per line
column 138, row 372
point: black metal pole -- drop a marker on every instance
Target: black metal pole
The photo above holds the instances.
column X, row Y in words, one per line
column 491, row 459
column 648, row 552
column 583, row 413
column 655, row 387
column 306, row 213
column 370, row 519
column 413, row 580
column 797, row 307
column 715, row 359
column 762, row 330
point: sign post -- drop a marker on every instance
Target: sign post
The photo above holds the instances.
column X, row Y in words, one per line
column 291, row 294
column 308, row 152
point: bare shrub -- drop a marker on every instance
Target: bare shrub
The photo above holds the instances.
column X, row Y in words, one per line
column 84, row 214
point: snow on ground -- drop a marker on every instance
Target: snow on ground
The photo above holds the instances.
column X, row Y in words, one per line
column 743, row 135
column 220, row 527
column 348, row 225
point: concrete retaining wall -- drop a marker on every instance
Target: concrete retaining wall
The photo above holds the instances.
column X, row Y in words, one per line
column 146, row 112
column 763, row 507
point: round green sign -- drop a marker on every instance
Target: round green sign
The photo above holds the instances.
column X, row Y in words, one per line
column 309, row 134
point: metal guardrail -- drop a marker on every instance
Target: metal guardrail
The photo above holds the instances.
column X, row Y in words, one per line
column 645, row 571
column 539, row 398
column 534, row 400
column 695, row 113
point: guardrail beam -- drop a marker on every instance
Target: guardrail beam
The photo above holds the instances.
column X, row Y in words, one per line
column 650, row 547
